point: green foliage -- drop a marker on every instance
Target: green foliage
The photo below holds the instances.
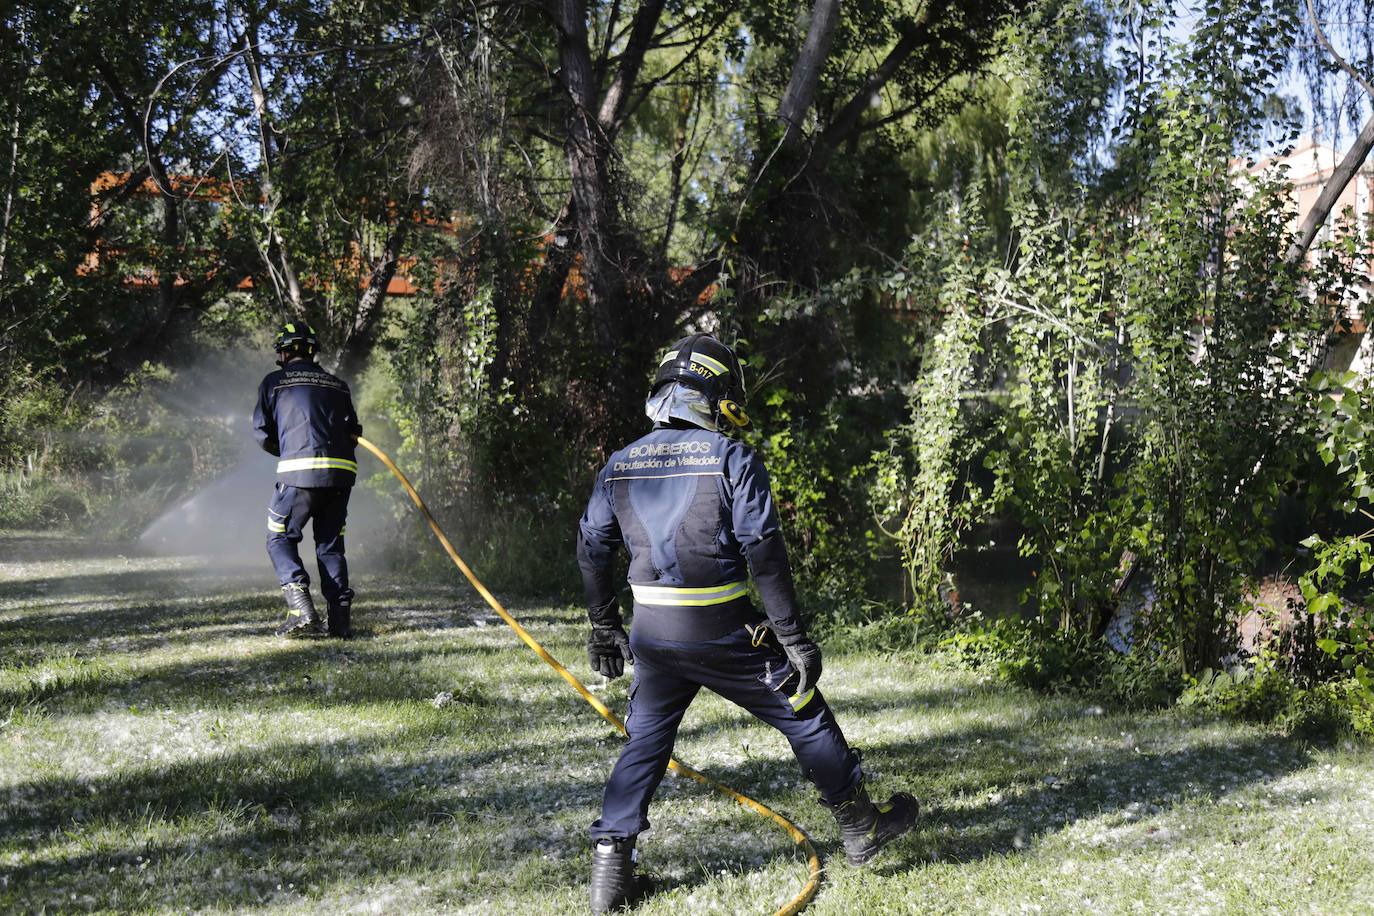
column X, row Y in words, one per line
column 43, row 453
column 1334, row 584
column 109, row 461
column 1216, row 384
column 1023, row 280
column 1139, row 679
column 1144, row 356
column 29, row 499
column 1262, row 691
column 1330, row 708
column 820, row 370
column 1040, row 657
column 1055, row 431
column 1347, row 627
column 882, row 628
column 1025, row 654
column 922, row 495
column 500, row 470
column 1258, row 692
column 808, row 457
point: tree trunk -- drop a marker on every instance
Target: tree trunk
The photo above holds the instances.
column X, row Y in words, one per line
column 631, row 61
column 806, row 70
column 167, row 260
column 1341, row 176
column 358, row 342
column 12, row 180
column 684, row 113
column 1349, row 164
column 913, row 36
column 588, row 152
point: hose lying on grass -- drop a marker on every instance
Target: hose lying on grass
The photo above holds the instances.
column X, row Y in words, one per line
column 813, row 862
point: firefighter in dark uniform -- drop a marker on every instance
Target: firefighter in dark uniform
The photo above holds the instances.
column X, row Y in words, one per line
column 695, row 512
column 305, row 416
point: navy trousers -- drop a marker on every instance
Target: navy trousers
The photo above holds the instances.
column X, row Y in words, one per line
column 327, row 507
column 756, row 677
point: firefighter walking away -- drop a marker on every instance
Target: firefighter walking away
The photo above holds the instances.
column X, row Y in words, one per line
column 694, row 510
column 305, row 417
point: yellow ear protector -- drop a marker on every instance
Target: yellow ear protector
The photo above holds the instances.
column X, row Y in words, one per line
column 733, row 412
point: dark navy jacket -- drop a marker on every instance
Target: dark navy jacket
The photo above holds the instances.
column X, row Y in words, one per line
column 305, row 416
column 695, row 511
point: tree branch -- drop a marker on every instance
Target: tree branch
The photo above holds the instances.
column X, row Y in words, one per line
column 657, row 81
column 608, row 39
column 641, row 38
column 1344, row 171
column 357, row 343
column 275, row 244
column 806, row 69
column 913, row 36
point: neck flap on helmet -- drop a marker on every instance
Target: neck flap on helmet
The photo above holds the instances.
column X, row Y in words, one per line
column 676, row 401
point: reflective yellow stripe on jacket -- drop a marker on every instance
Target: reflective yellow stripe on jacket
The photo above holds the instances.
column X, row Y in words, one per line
column 675, row 596
column 319, row 463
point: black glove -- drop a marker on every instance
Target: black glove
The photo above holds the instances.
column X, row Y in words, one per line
column 805, row 657
column 608, row 649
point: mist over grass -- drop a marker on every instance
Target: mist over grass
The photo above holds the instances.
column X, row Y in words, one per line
column 167, row 466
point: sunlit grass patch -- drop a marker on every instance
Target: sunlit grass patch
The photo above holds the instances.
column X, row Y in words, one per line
column 65, row 674
column 162, row 752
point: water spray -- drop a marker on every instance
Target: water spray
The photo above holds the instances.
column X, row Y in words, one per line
column 813, row 862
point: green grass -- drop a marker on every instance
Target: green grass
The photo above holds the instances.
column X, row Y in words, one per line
column 160, row 751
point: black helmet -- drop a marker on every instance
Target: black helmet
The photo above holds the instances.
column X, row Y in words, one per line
column 709, row 366
column 298, row 338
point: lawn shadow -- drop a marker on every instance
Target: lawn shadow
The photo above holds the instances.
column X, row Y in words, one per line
column 265, row 807
column 1024, row 790
column 1016, row 810
column 253, row 813
column 275, row 677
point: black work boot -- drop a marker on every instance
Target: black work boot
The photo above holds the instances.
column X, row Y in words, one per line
column 301, row 619
column 614, row 882
column 866, row 828
column 341, row 618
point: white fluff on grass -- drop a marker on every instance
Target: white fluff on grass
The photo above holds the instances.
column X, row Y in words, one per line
column 409, row 803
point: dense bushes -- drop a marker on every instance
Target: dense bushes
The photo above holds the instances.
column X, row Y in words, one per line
column 108, row 461
column 1030, row 654
column 1260, row 689
column 1263, row 692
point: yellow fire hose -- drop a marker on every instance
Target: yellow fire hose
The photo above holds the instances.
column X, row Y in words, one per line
column 813, row 861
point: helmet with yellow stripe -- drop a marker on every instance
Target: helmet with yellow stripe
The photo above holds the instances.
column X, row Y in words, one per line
column 704, row 363
column 297, row 338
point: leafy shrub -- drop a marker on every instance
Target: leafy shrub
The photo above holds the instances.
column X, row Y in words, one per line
column 40, row 499
column 1027, row 654
column 1139, row 679
column 1258, row 693
column 1031, row 654
column 1348, row 628
column 111, row 459
column 1320, row 712
column 886, row 629
column 1262, row 691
